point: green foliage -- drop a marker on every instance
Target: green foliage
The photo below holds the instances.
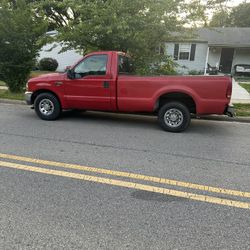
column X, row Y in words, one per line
column 197, row 12
column 20, row 30
column 237, row 16
column 48, row 64
column 6, row 94
column 221, row 19
column 161, row 65
column 246, row 86
column 136, row 27
column 240, row 15
column 195, row 72
column 242, row 109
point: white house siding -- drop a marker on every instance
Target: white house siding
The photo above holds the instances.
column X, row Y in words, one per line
column 241, row 56
column 185, row 65
column 64, row 59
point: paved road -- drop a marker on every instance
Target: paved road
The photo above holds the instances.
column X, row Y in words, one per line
column 48, row 211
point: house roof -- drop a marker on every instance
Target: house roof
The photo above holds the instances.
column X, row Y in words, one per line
column 222, row 37
column 239, row 37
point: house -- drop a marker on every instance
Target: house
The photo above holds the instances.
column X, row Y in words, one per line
column 64, row 59
column 221, row 47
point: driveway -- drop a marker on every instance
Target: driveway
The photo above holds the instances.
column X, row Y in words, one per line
column 239, row 94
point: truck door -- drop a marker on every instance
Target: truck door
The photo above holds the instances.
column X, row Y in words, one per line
column 90, row 86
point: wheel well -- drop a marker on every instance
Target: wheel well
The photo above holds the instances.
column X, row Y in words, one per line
column 41, row 91
column 177, row 97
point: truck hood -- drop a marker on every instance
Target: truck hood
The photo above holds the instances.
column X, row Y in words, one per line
column 48, row 77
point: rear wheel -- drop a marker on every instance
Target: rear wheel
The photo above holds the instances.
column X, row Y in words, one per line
column 47, row 106
column 174, row 117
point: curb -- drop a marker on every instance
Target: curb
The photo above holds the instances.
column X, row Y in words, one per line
column 9, row 101
column 209, row 118
column 224, row 118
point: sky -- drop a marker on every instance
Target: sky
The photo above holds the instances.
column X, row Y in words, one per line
column 236, row 2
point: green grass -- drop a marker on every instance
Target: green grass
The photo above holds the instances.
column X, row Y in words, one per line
column 6, row 94
column 245, row 86
column 242, row 78
column 242, row 109
column 2, row 83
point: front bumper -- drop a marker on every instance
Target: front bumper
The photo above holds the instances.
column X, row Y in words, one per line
column 28, row 96
column 230, row 111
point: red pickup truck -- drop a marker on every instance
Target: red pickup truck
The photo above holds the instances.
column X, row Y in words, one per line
column 104, row 81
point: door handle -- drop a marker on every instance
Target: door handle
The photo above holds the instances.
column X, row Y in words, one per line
column 106, row 84
column 58, row 83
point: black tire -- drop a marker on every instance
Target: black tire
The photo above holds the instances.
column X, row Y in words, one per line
column 180, row 120
column 50, row 112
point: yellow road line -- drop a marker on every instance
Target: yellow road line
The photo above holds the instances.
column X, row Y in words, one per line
column 126, row 184
column 130, row 175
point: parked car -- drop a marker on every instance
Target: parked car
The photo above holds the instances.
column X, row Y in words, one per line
column 242, row 69
column 104, row 81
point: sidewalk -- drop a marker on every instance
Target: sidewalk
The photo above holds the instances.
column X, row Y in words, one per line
column 239, row 94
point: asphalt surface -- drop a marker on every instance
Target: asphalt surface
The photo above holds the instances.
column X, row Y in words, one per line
column 43, row 211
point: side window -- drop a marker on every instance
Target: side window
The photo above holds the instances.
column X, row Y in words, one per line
column 125, row 65
column 92, row 65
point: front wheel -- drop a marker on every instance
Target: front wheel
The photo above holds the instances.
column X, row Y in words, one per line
column 174, row 117
column 47, row 106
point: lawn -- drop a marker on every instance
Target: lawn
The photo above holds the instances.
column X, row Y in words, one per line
column 2, row 83
column 246, row 86
column 6, row 94
column 242, row 78
column 242, row 109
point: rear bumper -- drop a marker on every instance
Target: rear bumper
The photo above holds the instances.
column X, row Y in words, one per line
column 230, row 111
column 28, row 96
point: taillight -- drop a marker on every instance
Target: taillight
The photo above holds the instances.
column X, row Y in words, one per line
column 229, row 90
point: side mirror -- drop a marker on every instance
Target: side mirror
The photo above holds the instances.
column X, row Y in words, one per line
column 70, row 74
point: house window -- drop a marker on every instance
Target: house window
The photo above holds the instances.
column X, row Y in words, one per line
column 184, row 51
column 160, row 50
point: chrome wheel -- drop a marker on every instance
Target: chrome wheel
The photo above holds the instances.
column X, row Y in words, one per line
column 46, row 107
column 173, row 118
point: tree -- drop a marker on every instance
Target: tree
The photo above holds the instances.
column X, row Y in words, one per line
column 20, row 31
column 235, row 17
column 220, row 19
column 137, row 26
column 56, row 12
column 240, row 16
column 198, row 12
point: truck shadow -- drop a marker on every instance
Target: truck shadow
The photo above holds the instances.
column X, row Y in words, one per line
column 197, row 126
column 111, row 118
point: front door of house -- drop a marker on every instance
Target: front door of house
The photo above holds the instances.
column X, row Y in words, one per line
column 226, row 60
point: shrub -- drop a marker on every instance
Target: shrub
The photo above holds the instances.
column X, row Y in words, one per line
column 48, row 64
column 20, row 33
column 157, row 65
column 195, row 72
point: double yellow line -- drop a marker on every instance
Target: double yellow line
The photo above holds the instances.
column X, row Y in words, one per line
column 128, row 184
